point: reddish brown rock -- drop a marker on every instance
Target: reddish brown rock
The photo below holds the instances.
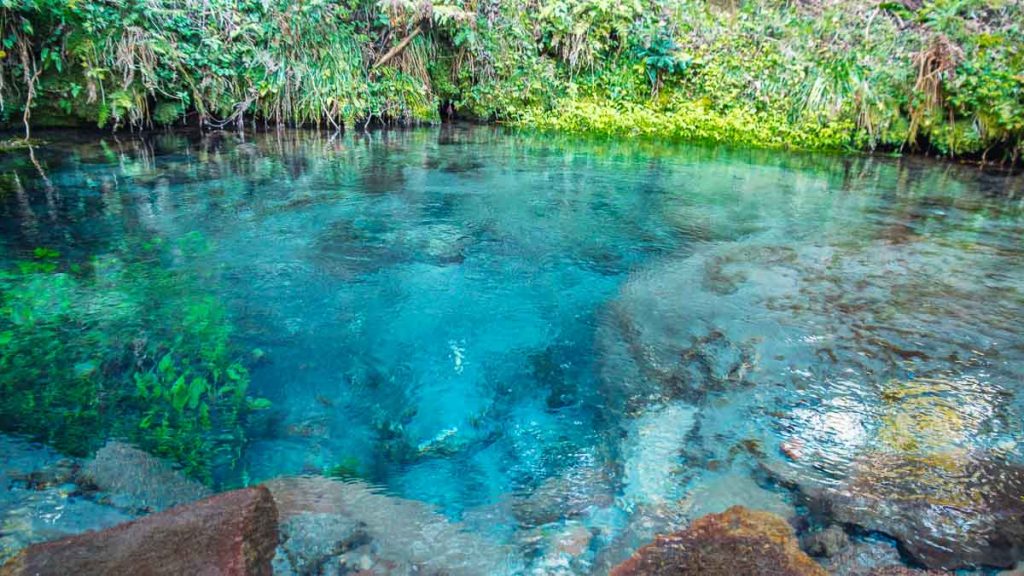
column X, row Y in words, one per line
column 737, row 541
column 229, row 534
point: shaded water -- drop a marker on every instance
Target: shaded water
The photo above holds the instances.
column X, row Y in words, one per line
column 530, row 335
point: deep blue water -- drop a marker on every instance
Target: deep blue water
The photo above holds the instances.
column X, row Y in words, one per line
column 459, row 315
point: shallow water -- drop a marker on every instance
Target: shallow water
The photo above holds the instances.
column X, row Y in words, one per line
column 526, row 332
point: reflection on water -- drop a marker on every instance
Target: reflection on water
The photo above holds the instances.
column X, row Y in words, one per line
column 565, row 347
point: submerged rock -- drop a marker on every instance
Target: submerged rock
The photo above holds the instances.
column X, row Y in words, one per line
column 234, row 533
column 310, row 541
column 648, row 358
column 905, row 571
column 560, row 548
column 827, row 542
column 406, row 535
column 39, row 502
column 28, row 516
column 137, row 481
column 651, row 454
column 349, row 249
column 946, row 510
column 718, row 492
column 737, row 541
column 565, row 496
column 667, row 336
column 863, row 558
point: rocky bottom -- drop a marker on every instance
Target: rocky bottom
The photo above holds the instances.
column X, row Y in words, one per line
column 127, row 512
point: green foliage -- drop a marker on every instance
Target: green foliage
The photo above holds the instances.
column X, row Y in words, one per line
column 942, row 75
column 661, row 57
column 696, row 122
column 117, row 346
column 945, row 77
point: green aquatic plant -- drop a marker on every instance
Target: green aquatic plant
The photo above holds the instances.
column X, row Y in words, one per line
column 119, row 347
column 347, row 469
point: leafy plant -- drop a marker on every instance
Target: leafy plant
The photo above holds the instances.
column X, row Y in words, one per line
column 662, row 58
column 119, row 347
column 939, row 76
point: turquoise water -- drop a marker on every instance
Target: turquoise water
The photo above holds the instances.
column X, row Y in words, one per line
column 469, row 317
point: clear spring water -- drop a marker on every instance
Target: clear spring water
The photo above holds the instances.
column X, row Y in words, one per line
column 463, row 315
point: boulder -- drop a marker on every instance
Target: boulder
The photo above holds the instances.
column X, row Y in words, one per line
column 234, row 533
column 566, row 496
column 737, row 541
column 137, row 481
column 827, row 542
column 407, row 535
column 947, row 511
column 863, row 558
column 309, row 541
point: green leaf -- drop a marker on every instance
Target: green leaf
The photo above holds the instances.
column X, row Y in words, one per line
column 43, row 253
column 142, row 384
column 179, row 393
column 259, row 403
column 236, row 372
column 195, row 391
column 166, row 365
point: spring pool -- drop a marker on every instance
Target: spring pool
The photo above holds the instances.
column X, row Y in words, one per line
column 562, row 347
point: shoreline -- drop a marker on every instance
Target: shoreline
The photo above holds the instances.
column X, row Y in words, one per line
column 11, row 141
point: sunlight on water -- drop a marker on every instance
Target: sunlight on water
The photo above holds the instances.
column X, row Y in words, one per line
column 564, row 347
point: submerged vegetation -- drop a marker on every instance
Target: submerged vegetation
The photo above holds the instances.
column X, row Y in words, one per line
column 944, row 76
column 117, row 346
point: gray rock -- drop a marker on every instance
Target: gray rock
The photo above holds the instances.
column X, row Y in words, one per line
column 23, row 460
column 863, row 559
column 311, row 540
column 407, row 536
column 566, row 496
column 31, row 516
column 38, row 501
column 137, row 481
column 947, row 511
column 826, row 543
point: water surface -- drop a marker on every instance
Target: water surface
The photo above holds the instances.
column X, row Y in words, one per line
column 522, row 331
